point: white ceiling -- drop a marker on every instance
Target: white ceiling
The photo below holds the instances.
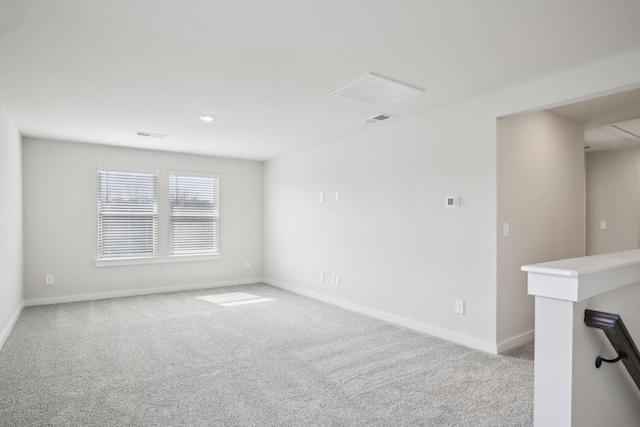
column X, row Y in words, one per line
column 98, row 71
column 596, row 113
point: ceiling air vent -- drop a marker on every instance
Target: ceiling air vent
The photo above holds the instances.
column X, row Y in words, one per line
column 150, row 135
column 377, row 118
column 629, row 128
column 377, row 90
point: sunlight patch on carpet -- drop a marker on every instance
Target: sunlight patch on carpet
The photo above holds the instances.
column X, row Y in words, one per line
column 248, row 301
column 234, row 298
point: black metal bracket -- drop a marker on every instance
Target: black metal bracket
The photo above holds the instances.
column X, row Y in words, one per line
column 622, row 343
column 599, row 359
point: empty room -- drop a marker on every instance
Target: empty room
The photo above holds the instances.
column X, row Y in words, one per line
column 296, row 213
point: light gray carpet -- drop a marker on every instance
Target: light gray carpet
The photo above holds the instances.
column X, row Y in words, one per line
column 176, row 360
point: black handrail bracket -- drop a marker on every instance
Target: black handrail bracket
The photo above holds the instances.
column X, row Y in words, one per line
column 622, row 343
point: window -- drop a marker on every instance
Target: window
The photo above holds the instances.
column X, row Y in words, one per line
column 194, row 210
column 127, row 214
column 131, row 224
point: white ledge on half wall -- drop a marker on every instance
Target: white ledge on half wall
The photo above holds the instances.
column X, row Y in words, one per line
column 568, row 388
column 577, row 279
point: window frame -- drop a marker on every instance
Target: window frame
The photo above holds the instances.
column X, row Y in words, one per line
column 216, row 195
column 163, row 217
column 156, row 242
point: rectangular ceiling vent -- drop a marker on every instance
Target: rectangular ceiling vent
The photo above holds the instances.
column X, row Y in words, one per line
column 378, row 118
column 150, row 135
column 629, row 128
column 377, row 90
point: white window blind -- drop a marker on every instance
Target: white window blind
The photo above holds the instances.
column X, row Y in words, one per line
column 127, row 214
column 194, row 212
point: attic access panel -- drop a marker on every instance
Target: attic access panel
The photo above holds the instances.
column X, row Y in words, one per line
column 377, row 90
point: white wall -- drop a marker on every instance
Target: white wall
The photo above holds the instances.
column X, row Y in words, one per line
column 541, row 197
column 390, row 238
column 60, row 221
column 613, row 196
column 11, row 239
column 400, row 254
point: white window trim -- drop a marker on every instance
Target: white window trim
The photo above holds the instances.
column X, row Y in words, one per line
column 160, row 259
column 203, row 175
column 127, row 169
column 107, row 168
column 196, row 174
column 154, row 260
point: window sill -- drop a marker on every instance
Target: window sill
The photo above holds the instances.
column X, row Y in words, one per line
column 154, row 260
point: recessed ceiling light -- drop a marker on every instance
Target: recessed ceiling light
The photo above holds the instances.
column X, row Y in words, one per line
column 205, row 118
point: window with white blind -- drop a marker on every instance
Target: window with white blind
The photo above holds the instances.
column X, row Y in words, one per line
column 127, row 214
column 193, row 217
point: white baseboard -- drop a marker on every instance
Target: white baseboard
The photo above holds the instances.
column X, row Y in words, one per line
column 135, row 292
column 486, row 346
column 7, row 330
column 515, row 341
column 391, row 318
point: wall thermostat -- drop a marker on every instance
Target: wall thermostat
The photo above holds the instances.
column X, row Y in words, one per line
column 452, row 201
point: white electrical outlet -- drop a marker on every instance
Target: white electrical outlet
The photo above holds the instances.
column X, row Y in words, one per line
column 247, row 265
column 337, row 195
column 48, row 279
column 603, row 225
column 321, row 277
column 321, row 197
column 337, row 280
column 459, row 306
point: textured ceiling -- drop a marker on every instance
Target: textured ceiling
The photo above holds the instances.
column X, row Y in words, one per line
column 98, row 71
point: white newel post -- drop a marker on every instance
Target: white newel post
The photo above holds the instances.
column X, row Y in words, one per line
column 569, row 391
